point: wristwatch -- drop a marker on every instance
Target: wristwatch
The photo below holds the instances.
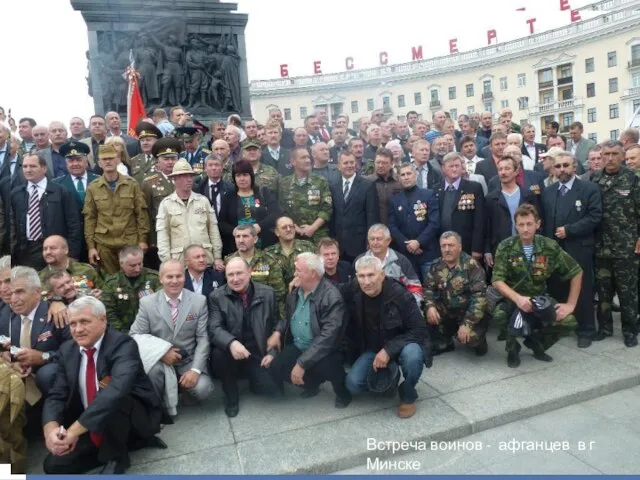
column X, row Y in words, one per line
column 46, row 356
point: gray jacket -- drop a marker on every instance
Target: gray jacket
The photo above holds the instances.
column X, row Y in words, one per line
column 226, row 316
column 328, row 322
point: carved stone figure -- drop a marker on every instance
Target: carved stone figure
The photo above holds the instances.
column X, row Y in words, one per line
column 231, row 79
column 146, row 56
column 173, row 73
column 196, row 59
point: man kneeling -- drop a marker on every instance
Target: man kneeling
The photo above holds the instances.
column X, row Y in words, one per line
column 103, row 396
column 389, row 327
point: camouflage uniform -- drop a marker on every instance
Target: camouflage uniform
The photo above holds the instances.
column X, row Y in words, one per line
column 84, row 276
column 616, row 263
column 304, row 200
column 267, row 176
column 287, row 262
column 141, row 167
column 369, row 167
column 122, row 298
column 267, row 270
column 227, row 172
column 459, row 296
column 197, row 159
column 511, row 266
column 13, row 418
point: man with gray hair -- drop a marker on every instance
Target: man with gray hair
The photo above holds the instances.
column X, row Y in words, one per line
column 56, row 162
column 5, row 287
column 388, row 329
column 454, row 292
column 232, row 136
column 311, row 330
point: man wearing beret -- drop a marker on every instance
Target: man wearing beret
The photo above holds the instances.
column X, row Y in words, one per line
column 143, row 163
column 115, row 214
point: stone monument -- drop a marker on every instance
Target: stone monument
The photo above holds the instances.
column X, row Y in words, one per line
column 187, row 52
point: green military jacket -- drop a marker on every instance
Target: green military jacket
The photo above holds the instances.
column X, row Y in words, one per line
column 141, row 166
column 305, row 200
column 287, row 262
column 267, row 270
column 267, row 176
column 460, row 289
column 530, row 278
column 227, row 172
column 369, row 167
column 122, row 298
column 155, row 188
column 85, row 278
column 620, row 227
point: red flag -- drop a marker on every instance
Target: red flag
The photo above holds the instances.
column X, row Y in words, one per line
column 135, row 106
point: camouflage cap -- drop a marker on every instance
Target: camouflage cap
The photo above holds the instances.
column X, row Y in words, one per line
column 107, row 151
column 251, row 143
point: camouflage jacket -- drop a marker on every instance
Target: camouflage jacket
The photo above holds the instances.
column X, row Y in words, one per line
column 460, row 289
column 306, row 200
column 84, row 276
column 530, row 278
column 122, row 298
column 227, row 172
column 620, row 227
column 368, row 168
column 267, row 176
column 287, row 262
column 155, row 188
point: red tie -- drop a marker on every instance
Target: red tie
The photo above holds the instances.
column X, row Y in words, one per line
column 325, row 134
column 90, row 385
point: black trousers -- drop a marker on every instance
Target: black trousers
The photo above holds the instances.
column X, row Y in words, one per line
column 229, row 370
column 30, row 255
column 151, row 259
column 132, row 422
column 329, row 369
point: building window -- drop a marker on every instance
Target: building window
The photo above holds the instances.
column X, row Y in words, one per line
column 370, row 104
column 287, row 114
column 454, row 113
column 504, row 103
column 589, row 65
column 613, row 85
column 612, row 59
column 635, row 80
column 386, row 102
column 303, row 112
column 354, row 106
column 522, row 80
column 417, row 98
column 567, row 119
column 470, row 110
column 547, row 97
column 591, row 90
column 613, row 134
column 636, row 104
column 565, row 71
column 613, row 111
column 567, row 94
column 400, row 101
column 435, row 95
column 452, row 93
column 547, row 76
column 592, row 116
column 593, row 136
column 486, row 86
column 523, row 103
column 635, row 54
column 503, row 83
column 469, row 89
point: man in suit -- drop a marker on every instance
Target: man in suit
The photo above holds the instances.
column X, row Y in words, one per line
column 114, row 125
column 313, row 130
column 355, row 208
column 274, row 154
column 100, row 390
column 57, row 137
column 470, row 129
column 98, row 129
column 5, row 150
column 335, row 270
column 179, row 317
column 321, row 155
column 429, row 173
column 529, row 145
column 339, row 137
column 573, row 211
column 527, row 179
column 275, row 114
column 211, row 184
column 39, row 209
column 461, row 206
column 198, row 277
column 488, row 167
column 578, row 145
column 28, row 329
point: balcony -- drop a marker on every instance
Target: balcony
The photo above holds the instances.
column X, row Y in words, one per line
column 434, row 104
column 487, row 96
column 565, row 129
column 556, row 106
column 630, row 93
column 633, row 63
column 545, row 85
column 565, row 81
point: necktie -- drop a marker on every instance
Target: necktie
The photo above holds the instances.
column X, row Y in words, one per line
column 325, row 134
column 90, row 386
column 345, row 191
column 451, row 188
column 80, row 189
column 25, row 335
column 35, row 227
column 420, row 177
column 148, row 158
column 563, row 190
column 173, row 306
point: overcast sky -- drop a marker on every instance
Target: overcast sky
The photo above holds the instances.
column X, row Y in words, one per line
column 46, row 41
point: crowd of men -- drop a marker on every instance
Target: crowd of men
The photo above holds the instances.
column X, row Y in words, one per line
column 136, row 270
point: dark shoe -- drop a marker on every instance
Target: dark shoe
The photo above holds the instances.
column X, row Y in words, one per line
column 482, row 349
column 449, row 348
column 232, row 410
column 502, row 336
column 116, row 467
column 343, row 402
column 601, row 335
column 543, row 357
column 513, row 359
column 631, row 340
column 153, row 442
column 615, row 307
column 310, row 393
column 538, row 351
column 584, row 342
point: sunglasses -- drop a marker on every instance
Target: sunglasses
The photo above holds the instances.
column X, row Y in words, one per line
column 561, row 165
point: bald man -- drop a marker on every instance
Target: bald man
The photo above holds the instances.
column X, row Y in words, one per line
column 41, row 138
column 56, row 163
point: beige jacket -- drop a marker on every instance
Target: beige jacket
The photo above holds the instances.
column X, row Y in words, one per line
column 179, row 225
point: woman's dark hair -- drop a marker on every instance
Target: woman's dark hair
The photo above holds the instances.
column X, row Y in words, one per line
column 243, row 166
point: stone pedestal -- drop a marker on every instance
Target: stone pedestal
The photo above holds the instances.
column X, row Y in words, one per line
column 188, row 52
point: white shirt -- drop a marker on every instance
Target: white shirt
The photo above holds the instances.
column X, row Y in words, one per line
column 350, row 180
column 531, row 148
column 197, row 284
column 83, row 179
column 82, row 375
column 471, row 164
column 275, row 153
column 574, row 147
column 41, row 186
column 569, row 184
column 218, row 199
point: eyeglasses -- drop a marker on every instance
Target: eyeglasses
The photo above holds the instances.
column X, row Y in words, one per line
column 562, row 165
column 287, row 227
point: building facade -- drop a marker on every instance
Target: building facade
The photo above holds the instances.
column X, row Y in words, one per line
column 588, row 71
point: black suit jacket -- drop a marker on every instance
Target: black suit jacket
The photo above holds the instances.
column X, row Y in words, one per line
column 487, row 168
column 498, row 222
column 282, row 165
column 540, row 148
column 533, row 181
column 351, row 220
column 6, row 185
column 468, row 218
column 201, row 186
column 5, row 170
column 45, row 337
column 59, row 214
column 66, row 181
column 212, row 279
column 119, row 366
column 579, row 212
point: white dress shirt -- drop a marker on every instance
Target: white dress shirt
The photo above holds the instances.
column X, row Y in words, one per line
column 531, row 148
column 275, row 153
column 42, row 187
column 82, row 375
column 84, row 178
column 569, row 184
column 350, row 180
column 197, row 284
